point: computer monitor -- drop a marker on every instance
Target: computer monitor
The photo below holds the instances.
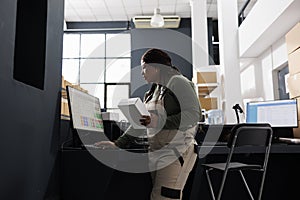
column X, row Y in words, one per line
column 278, row 113
column 85, row 114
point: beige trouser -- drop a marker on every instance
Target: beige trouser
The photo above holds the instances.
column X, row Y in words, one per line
column 172, row 172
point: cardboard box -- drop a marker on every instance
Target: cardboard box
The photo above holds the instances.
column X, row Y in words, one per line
column 292, row 38
column 206, row 77
column 297, row 131
column 79, row 88
column 205, row 90
column 208, row 103
column 294, row 85
column 63, row 82
column 294, row 62
column 66, row 83
column 64, row 93
column 64, row 107
column 298, row 105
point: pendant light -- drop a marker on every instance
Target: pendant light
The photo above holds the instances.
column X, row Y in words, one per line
column 157, row 19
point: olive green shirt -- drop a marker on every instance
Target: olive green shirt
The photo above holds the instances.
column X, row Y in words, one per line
column 181, row 104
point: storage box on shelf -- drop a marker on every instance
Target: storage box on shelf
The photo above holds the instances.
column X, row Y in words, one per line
column 207, row 82
column 79, row 88
column 64, row 102
column 293, row 85
column 208, row 103
column 292, row 38
column 297, row 131
column 206, row 77
column 64, row 107
column 294, row 62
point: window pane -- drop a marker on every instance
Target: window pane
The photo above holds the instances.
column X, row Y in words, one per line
column 92, row 71
column 92, row 45
column 96, row 90
column 115, row 93
column 118, row 45
column 118, row 70
column 70, row 70
column 71, row 46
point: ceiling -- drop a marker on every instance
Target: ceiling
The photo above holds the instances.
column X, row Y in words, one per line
column 124, row 10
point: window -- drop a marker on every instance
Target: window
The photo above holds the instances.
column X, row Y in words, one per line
column 99, row 63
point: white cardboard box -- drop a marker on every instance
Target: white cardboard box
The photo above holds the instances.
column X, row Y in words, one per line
column 133, row 109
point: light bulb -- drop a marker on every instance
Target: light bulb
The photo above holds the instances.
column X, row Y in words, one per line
column 157, row 20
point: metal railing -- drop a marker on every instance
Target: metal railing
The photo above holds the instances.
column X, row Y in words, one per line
column 241, row 15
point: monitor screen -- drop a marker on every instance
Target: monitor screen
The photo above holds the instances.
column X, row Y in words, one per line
column 279, row 113
column 85, row 110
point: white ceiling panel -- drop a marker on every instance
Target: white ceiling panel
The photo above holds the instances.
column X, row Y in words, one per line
column 88, row 18
column 96, row 3
column 183, row 8
column 133, row 9
column 167, row 9
column 123, row 10
column 132, row 3
column 148, row 10
column 119, row 17
column 149, row 3
column 110, row 3
column 103, row 18
column 73, row 18
column 116, row 11
column 98, row 11
column 182, row 1
column 84, row 12
column 166, row 2
column 79, row 4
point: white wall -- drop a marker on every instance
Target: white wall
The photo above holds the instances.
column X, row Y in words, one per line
column 262, row 41
column 258, row 79
column 267, row 22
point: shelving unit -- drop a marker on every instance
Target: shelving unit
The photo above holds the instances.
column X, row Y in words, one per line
column 207, row 83
column 205, row 89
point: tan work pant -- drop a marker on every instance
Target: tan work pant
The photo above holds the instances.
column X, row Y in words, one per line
column 169, row 181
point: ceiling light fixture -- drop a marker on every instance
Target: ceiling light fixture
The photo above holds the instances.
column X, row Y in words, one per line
column 157, row 19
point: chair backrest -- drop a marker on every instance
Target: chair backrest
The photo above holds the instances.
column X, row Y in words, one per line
column 250, row 135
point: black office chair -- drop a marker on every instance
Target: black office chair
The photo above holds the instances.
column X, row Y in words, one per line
column 242, row 135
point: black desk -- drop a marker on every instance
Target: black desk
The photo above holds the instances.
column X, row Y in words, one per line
column 84, row 177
